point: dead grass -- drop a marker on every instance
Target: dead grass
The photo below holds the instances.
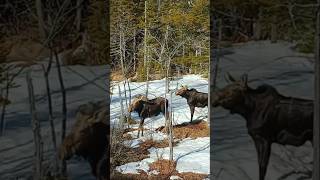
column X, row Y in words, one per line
column 157, row 144
column 116, row 76
column 192, row 176
column 193, row 130
column 164, row 167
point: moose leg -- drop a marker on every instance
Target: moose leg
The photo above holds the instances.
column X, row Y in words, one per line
column 263, row 148
column 141, row 127
column 192, row 111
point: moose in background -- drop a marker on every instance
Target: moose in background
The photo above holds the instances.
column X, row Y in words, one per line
column 194, row 98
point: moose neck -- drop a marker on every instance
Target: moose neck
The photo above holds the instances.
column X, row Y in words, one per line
column 186, row 94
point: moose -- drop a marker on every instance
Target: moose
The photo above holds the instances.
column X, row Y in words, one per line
column 194, row 98
column 88, row 138
column 270, row 116
column 90, row 143
column 147, row 108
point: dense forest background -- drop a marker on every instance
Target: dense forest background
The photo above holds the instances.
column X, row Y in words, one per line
column 291, row 20
column 145, row 35
column 60, row 24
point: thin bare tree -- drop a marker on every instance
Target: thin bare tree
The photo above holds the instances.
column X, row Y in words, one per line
column 46, row 71
column 35, row 129
column 316, row 123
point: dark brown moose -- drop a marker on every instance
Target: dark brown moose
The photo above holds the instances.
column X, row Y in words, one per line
column 89, row 139
column 271, row 117
column 194, row 98
column 148, row 108
column 89, row 143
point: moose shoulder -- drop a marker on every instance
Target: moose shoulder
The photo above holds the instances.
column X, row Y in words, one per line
column 270, row 116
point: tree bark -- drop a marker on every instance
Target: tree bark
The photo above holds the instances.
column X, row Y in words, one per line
column 36, row 130
column 50, row 115
column 63, row 165
column 316, row 123
column 78, row 17
column 121, row 106
column 40, row 15
column 4, row 105
column 273, row 31
column 170, row 130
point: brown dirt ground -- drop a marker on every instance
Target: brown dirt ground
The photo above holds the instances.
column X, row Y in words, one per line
column 193, row 130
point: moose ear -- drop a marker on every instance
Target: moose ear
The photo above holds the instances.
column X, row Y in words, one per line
column 244, row 79
column 230, row 77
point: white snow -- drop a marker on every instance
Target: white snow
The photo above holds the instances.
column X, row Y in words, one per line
column 188, row 151
column 175, row 177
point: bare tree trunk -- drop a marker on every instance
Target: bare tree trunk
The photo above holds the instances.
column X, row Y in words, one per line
column 129, row 115
column 145, row 34
column 220, row 29
column 121, row 52
column 159, row 7
column 147, row 82
column 121, row 106
column 168, row 65
column 40, row 19
column 316, row 123
column 170, row 130
column 145, row 56
column 257, row 27
column 166, row 110
column 78, row 18
column 134, row 50
column 50, row 115
column 125, row 92
column 63, row 165
column 183, row 50
column 36, row 130
column 214, row 59
column 4, row 105
column 273, row 31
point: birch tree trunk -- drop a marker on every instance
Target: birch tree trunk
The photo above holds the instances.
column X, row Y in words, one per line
column 40, row 15
column 145, row 54
column 147, row 71
column 78, row 17
column 274, row 31
column 64, row 110
column 50, row 115
column 214, row 58
column 4, row 105
column 134, row 50
column 122, row 109
column 170, row 130
column 145, row 35
column 316, row 123
column 36, row 130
